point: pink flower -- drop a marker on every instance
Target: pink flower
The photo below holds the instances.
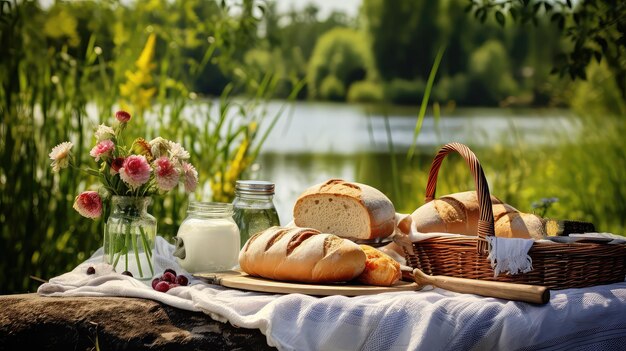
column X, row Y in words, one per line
column 88, row 204
column 190, row 176
column 166, row 174
column 60, row 156
column 102, row 149
column 122, row 116
column 135, row 171
column 116, row 164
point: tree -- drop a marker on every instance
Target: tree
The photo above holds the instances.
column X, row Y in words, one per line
column 595, row 29
column 404, row 36
column 490, row 74
column 342, row 53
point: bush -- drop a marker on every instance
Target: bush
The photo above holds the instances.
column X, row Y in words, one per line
column 366, row 91
column 490, row 74
column 332, row 89
column 405, row 92
column 342, row 53
column 451, row 89
column 258, row 64
column 598, row 95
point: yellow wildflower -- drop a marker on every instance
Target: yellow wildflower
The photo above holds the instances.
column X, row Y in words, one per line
column 137, row 90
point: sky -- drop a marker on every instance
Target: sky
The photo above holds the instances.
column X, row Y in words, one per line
column 349, row 7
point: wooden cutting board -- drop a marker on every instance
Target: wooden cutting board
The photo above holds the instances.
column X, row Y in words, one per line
column 243, row 281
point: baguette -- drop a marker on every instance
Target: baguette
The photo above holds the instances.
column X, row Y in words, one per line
column 346, row 209
column 301, row 255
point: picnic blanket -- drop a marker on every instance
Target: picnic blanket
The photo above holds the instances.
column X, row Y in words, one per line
column 430, row 319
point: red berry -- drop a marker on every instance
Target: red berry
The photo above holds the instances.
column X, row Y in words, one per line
column 162, row 286
column 174, row 285
column 155, row 281
column 127, row 273
column 168, row 277
column 182, row 280
column 91, row 270
column 171, row 271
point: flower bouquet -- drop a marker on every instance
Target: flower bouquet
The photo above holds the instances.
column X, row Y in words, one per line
column 129, row 177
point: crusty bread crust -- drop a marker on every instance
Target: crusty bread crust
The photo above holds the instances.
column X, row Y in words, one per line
column 459, row 213
column 377, row 213
column 380, row 268
column 301, row 255
column 520, row 225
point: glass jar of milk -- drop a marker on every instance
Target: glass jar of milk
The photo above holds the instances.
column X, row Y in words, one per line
column 208, row 239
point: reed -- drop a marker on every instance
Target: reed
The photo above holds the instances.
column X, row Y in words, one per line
column 51, row 91
column 584, row 171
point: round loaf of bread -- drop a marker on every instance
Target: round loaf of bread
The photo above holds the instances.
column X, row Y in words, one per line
column 455, row 213
column 301, row 255
column 458, row 213
column 520, row 225
column 346, row 209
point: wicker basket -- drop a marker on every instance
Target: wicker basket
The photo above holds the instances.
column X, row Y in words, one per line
column 555, row 265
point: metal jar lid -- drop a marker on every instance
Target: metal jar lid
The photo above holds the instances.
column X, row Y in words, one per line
column 254, row 187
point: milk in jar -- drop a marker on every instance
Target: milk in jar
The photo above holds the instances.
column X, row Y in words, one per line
column 208, row 239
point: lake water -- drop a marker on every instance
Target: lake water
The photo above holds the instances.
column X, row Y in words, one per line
column 314, row 141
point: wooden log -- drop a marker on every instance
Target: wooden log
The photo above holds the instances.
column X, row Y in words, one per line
column 32, row 322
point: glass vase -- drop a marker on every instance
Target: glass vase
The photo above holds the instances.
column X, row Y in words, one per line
column 129, row 236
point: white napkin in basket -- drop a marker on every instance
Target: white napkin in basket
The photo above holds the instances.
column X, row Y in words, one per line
column 509, row 255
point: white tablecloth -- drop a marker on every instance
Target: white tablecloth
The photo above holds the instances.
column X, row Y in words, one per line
column 431, row 319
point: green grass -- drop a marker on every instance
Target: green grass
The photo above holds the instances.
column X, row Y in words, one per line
column 46, row 91
column 47, row 88
column 585, row 172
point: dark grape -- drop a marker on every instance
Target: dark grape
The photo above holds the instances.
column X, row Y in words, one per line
column 182, row 280
column 127, row 273
column 155, row 281
column 168, row 277
column 91, row 270
column 171, row 271
column 162, row 286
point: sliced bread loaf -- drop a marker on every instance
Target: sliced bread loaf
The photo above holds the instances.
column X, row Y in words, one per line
column 346, row 209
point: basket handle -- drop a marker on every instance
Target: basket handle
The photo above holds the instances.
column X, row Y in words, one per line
column 485, row 221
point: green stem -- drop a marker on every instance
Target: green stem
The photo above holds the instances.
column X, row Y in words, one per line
column 147, row 249
column 145, row 243
column 136, row 249
column 117, row 258
column 126, row 238
column 119, row 243
column 109, row 254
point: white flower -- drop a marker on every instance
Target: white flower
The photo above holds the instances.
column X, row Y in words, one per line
column 60, row 156
column 104, row 133
column 159, row 147
column 177, row 151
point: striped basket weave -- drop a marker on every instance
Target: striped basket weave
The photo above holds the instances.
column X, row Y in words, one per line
column 555, row 265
